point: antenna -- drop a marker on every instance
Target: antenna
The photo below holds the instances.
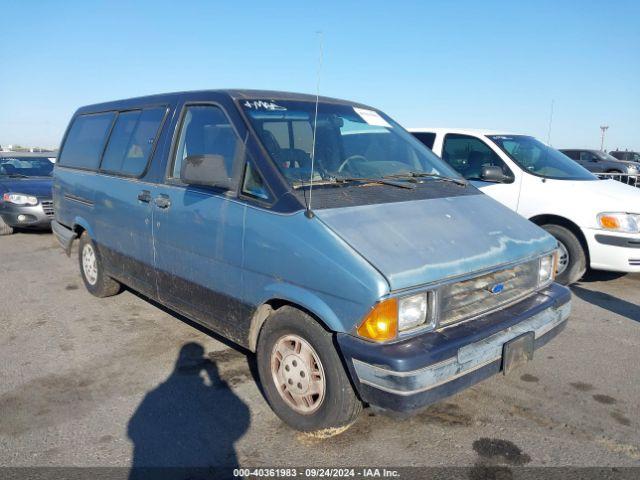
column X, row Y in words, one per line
column 550, row 121
column 309, row 212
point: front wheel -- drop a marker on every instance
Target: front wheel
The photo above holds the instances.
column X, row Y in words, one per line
column 572, row 260
column 92, row 269
column 302, row 375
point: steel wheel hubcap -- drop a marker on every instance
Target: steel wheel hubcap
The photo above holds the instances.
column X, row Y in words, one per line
column 89, row 264
column 298, row 374
column 563, row 258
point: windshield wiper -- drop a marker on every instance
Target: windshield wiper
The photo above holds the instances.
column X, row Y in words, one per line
column 16, row 175
column 341, row 180
column 382, row 181
column 428, row 175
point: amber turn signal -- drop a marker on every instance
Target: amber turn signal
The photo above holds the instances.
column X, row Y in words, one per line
column 382, row 321
column 610, row 222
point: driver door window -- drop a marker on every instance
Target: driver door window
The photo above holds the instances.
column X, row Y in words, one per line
column 206, row 132
column 587, row 157
column 468, row 155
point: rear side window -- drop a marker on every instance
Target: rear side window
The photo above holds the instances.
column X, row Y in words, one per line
column 85, row 141
column 131, row 141
column 427, row 138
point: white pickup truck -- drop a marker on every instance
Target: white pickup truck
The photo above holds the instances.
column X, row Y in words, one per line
column 596, row 222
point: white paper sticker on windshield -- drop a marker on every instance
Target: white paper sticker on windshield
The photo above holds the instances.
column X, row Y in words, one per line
column 371, row 117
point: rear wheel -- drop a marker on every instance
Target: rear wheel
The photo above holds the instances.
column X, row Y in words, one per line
column 92, row 270
column 4, row 228
column 572, row 260
column 302, row 374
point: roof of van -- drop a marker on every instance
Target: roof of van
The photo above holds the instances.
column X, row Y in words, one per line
column 463, row 131
column 232, row 93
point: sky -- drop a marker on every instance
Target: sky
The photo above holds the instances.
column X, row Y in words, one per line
column 480, row 64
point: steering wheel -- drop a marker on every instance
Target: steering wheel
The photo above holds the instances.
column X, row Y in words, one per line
column 349, row 159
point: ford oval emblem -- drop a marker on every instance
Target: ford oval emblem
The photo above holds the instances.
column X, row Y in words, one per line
column 497, row 288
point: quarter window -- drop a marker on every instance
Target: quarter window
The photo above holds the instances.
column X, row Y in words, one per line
column 85, row 141
column 206, row 132
column 427, row 138
column 468, row 155
column 253, row 184
column 132, row 140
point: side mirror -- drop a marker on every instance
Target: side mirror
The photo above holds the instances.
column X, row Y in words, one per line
column 492, row 173
column 207, row 170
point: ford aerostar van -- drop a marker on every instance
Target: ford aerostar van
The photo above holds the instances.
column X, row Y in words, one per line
column 391, row 281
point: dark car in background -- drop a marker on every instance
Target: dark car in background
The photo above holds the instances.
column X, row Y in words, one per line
column 598, row 161
column 627, row 155
column 25, row 191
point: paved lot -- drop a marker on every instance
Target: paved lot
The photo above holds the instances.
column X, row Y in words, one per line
column 119, row 381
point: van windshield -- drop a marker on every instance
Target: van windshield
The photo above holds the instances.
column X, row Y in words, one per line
column 539, row 159
column 351, row 143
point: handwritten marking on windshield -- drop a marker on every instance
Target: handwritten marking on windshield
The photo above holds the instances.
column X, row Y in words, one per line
column 263, row 104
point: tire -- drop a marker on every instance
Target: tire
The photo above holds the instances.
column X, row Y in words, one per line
column 328, row 413
column 576, row 265
column 93, row 276
column 4, row 228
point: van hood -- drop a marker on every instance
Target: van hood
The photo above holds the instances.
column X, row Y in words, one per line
column 423, row 241
column 608, row 195
column 38, row 187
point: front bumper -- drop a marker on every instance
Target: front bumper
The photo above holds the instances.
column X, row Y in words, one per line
column 27, row 216
column 418, row 371
column 614, row 251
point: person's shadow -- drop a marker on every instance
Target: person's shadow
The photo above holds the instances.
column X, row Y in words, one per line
column 186, row 426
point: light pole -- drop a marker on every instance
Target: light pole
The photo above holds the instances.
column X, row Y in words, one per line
column 603, row 128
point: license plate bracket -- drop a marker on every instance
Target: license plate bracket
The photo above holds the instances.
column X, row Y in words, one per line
column 517, row 351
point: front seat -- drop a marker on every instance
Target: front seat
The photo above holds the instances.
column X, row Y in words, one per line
column 475, row 162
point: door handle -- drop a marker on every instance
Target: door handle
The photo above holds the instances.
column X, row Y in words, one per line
column 144, row 196
column 163, row 201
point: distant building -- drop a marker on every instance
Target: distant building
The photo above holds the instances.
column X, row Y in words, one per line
column 20, row 148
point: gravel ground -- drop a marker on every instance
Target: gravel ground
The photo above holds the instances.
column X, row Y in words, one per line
column 121, row 381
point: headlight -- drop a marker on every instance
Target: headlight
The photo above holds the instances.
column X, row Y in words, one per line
column 412, row 311
column 20, row 199
column 620, row 222
column 632, row 169
column 547, row 268
column 394, row 315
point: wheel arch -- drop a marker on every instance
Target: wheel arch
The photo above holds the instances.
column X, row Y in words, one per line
column 547, row 219
column 270, row 306
column 81, row 225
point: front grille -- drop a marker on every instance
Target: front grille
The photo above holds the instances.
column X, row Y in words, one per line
column 469, row 298
column 47, row 206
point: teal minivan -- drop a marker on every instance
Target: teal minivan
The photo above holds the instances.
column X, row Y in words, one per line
column 358, row 266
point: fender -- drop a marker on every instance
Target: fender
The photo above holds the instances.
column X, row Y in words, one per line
column 296, row 296
column 307, row 300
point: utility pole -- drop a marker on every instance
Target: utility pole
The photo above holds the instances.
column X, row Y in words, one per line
column 603, row 128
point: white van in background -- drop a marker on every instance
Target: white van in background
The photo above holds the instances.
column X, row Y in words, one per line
column 596, row 222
